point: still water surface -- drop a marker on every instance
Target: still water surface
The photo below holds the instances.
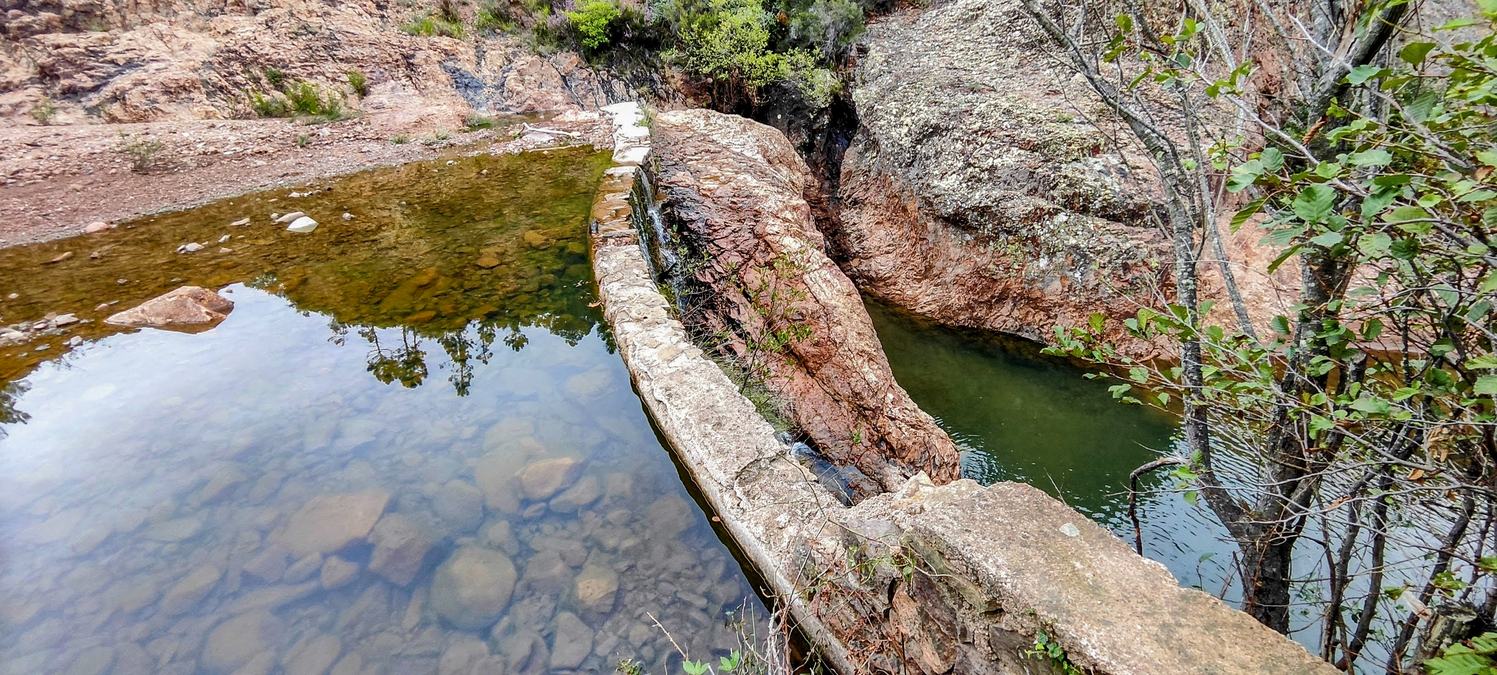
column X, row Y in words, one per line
column 1019, row 415
column 409, row 448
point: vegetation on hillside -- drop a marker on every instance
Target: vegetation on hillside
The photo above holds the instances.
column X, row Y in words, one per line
column 739, row 51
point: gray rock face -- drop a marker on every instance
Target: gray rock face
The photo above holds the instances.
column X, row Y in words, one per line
column 976, row 191
column 472, row 588
column 400, row 548
column 328, row 523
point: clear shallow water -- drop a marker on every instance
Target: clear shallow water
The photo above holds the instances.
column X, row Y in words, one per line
column 386, row 434
column 1018, row 415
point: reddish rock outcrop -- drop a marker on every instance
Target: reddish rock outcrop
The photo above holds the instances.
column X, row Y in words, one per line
column 978, row 192
column 734, row 194
column 113, row 61
column 187, row 309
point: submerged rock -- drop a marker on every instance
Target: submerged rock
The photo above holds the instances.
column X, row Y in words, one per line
column 328, row 523
column 289, row 217
column 189, row 308
column 543, row 479
column 472, row 588
column 236, row 641
column 192, row 588
column 400, row 547
column 302, row 225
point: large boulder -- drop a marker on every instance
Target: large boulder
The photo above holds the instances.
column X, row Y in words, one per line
column 978, row 190
column 187, row 309
column 735, row 195
column 472, row 588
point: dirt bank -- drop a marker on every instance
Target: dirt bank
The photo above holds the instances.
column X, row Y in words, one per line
column 58, row 179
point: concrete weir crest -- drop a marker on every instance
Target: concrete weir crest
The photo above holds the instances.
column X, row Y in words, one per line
column 928, row 579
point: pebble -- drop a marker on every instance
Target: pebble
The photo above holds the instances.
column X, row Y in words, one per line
column 191, row 247
column 240, row 223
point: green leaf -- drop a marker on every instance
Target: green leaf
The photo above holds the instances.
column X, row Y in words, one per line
column 1095, row 321
column 1253, row 207
column 1486, row 385
column 1373, row 157
column 1487, row 157
column 1413, row 53
column 1326, row 239
column 1361, row 74
column 1374, row 244
column 1314, row 203
column 1272, row 158
column 1483, row 362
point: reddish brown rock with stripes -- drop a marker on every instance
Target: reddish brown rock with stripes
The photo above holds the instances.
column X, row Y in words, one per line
column 734, row 194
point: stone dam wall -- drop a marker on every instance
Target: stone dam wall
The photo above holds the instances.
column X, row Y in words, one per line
column 926, row 579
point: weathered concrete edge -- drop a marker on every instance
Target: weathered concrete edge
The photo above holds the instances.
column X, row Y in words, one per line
column 705, row 419
column 1011, row 560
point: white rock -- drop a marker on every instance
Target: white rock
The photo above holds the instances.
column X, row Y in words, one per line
column 283, row 219
column 347, row 215
column 193, row 247
column 240, row 223
column 302, row 224
column 96, row 227
column 223, row 239
column 64, row 320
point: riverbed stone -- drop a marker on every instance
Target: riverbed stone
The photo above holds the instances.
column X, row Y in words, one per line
column 540, row 480
column 495, row 475
column 314, row 655
column 302, row 225
column 328, row 523
column 462, row 655
column 337, row 572
column 235, row 641
column 191, row 589
column 581, row 494
column 175, row 530
column 472, row 588
column 459, row 504
column 188, row 308
column 400, row 547
column 596, row 587
column 571, row 641
column 92, row 661
column 268, row 565
column 524, row 651
column 303, row 568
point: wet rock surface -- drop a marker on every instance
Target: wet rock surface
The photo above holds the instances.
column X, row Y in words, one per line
column 976, row 191
column 188, row 308
column 734, row 192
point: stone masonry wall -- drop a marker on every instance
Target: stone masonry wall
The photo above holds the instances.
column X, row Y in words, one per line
column 956, row 578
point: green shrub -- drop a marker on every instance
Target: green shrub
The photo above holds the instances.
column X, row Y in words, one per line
column 489, row 18
column 728, row 42
column 474, row 122
column 274, row 77
column 430, row 26
column 591, row 22
column 44, row 111
column 300, row 99
column 359, row 81
column 144, row 153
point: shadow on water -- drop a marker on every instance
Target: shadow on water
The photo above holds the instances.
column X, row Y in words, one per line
column 438, row 356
